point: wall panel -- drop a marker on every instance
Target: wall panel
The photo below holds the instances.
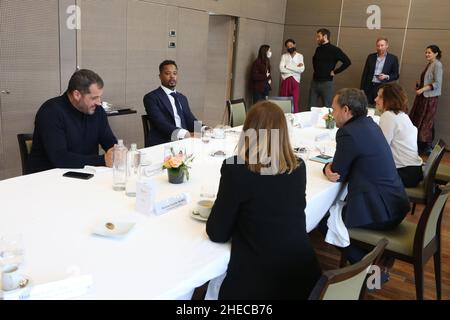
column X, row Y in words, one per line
column 103, row 44
column 29, row 70
column 313, row 13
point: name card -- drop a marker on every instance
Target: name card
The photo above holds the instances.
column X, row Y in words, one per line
column 171, row 203
column 151, row 170
column 145, row 196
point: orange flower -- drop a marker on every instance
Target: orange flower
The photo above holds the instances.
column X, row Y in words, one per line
column 175, row 162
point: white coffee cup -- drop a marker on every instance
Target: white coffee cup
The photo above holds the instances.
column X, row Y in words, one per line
column 203, row 208
column 11, row 278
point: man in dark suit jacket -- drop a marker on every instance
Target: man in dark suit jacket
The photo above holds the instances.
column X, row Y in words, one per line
column 381, row 67
column 170, row 116
column 376, row 197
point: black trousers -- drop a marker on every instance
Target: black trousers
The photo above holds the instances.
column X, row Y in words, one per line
column 258, row 96
column 372, row 92
column 411, row 176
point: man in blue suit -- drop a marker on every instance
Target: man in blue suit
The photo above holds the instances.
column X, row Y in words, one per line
column 381, row 67
column 376, row 197
column 168, row 110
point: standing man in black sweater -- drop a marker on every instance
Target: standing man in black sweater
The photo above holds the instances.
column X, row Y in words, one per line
column 324, row 63
column 69, row 128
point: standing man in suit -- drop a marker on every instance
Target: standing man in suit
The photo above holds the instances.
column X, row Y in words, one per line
column 376, row 197
column 381, row 67
column 170, row 116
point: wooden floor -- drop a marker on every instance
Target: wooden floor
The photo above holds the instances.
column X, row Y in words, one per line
column 401, row 285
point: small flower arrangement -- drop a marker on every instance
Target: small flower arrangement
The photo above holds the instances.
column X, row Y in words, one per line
column 329, row 116
column 178, row 163
column 329, row 119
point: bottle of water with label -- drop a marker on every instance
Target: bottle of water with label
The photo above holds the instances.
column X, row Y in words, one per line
column 119, row 166
column 133, row 166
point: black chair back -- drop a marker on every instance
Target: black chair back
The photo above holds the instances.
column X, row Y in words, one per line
column 25, row 142
column 146, row 126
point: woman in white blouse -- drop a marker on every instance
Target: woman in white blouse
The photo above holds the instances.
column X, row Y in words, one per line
column 400, row 133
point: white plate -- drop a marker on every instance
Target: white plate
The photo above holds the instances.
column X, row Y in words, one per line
column 197, row 216
column 120, row 230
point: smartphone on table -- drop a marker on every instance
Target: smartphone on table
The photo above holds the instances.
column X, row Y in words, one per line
column 78, row 175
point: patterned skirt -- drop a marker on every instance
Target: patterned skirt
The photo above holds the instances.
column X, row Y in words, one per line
column 422, row 116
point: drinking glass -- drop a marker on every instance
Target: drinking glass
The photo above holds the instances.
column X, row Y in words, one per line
column 206, row 134
column 11, row 249
column 208, row 191
column 303, row 153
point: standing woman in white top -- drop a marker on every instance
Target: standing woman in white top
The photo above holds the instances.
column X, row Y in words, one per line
column 291, row 68
column 400, row 133
column 426, row 101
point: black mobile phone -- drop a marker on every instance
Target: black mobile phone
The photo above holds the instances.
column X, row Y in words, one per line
column 78, row 175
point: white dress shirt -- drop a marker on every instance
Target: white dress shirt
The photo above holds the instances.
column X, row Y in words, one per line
column 182, row 132
column 379, row 68
column 289, row 66
column 401, row 136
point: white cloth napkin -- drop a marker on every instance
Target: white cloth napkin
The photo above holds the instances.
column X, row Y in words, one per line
column 337, row 234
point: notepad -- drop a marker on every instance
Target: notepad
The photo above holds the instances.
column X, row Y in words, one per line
column 322, row 158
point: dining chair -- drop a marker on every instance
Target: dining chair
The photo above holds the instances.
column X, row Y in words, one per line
column 25, row 142
column 237, row 112
column 146, row 125
column 285, row 103
column 347, row 283
column 410, row 242
column 423, row 192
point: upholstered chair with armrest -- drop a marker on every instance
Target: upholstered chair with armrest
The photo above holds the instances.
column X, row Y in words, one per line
column 348, row 283
column 412, row 243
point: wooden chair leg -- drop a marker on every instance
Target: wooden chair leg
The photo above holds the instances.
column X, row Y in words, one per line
column 437, row 273
column 418, row 276
column 343, row 261
column 200, row 292
column 413, row 208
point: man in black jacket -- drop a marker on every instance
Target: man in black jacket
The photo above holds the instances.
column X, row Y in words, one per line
column 69, row 128
column 324, row 63
column 381, row 67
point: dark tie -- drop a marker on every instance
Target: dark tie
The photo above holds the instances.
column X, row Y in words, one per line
column 179, row 110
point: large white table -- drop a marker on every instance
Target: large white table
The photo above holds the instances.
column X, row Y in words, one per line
column 164, row 257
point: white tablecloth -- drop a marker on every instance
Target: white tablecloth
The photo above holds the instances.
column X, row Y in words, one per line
column 163, row 257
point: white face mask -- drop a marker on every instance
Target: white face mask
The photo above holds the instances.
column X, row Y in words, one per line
column 269, row 54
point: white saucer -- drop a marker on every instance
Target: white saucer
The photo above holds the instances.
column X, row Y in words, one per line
column 218, row 153
column 198, row 217
column 120, row 229
column 15, row 293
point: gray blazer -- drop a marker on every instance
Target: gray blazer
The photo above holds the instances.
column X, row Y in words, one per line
column 433, row 76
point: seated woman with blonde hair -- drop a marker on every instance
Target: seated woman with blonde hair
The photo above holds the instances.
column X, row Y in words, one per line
column 260, row 206
column 400, row 133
